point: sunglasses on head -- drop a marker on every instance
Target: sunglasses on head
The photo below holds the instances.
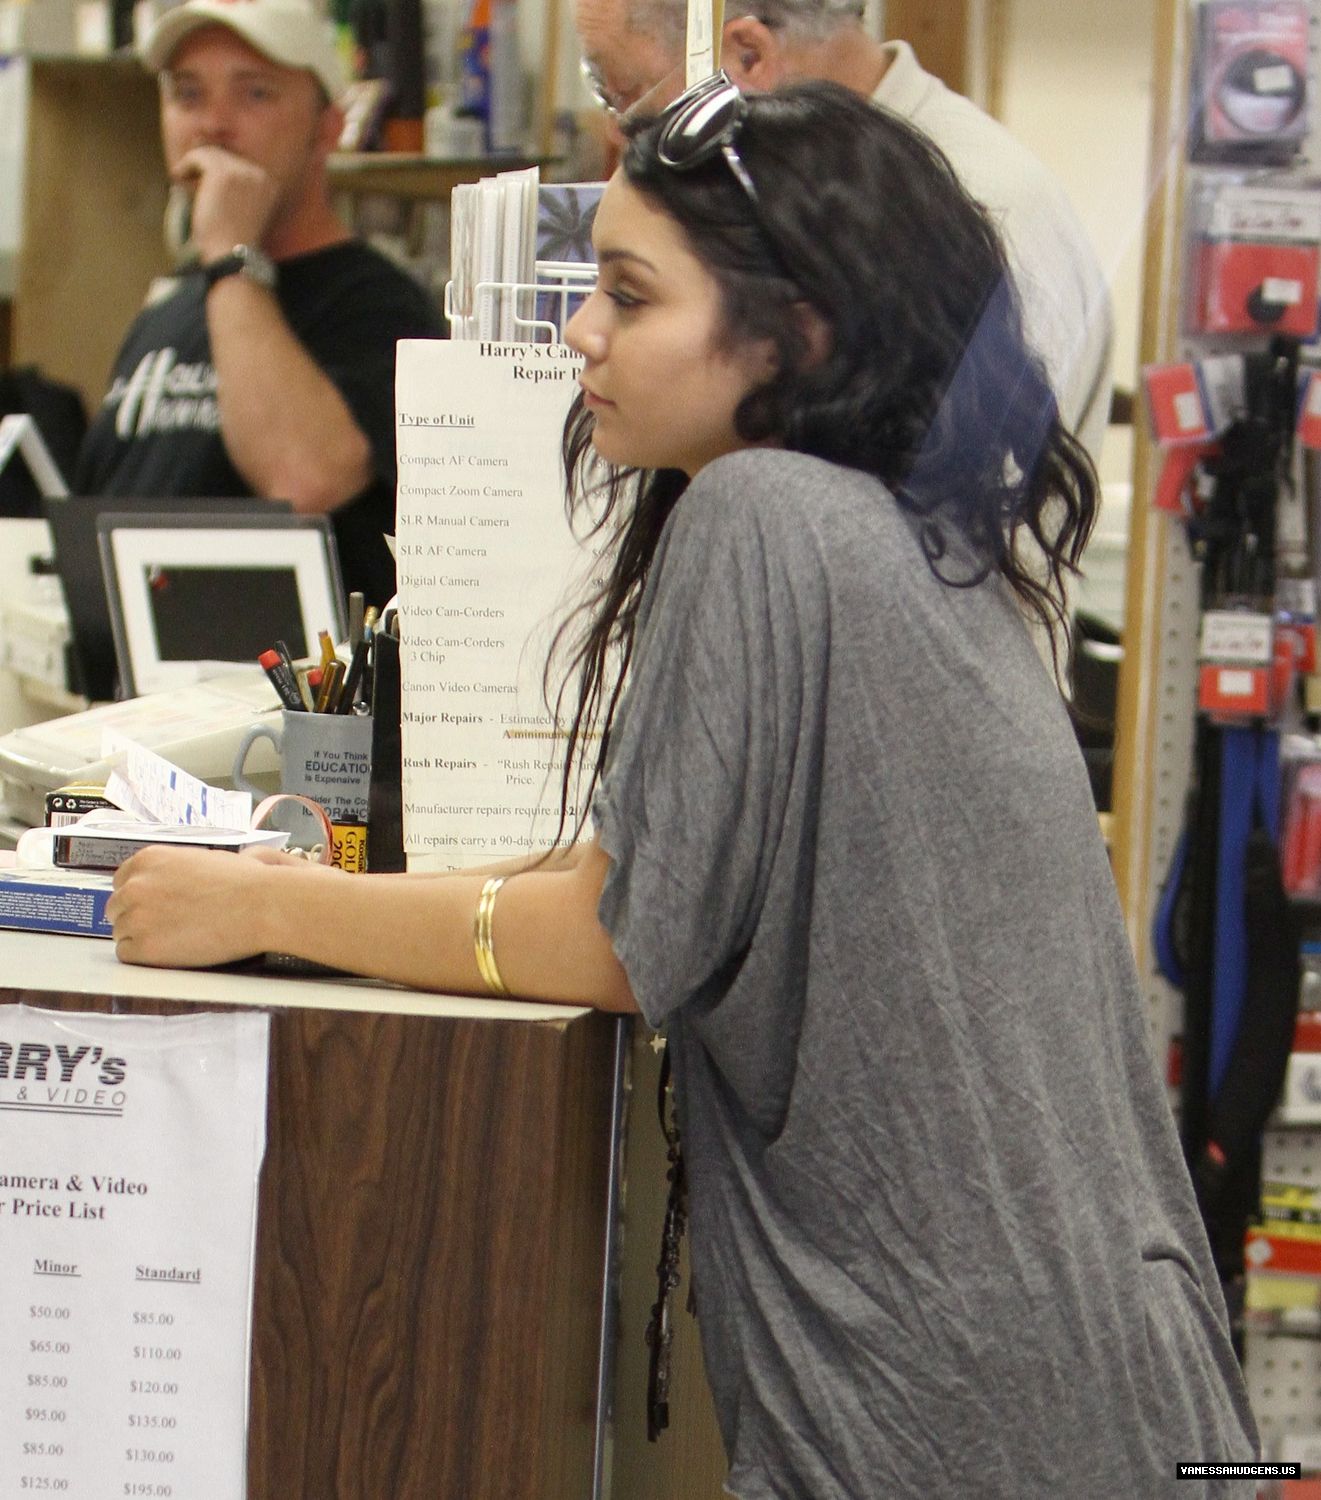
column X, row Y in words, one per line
column 703, row 122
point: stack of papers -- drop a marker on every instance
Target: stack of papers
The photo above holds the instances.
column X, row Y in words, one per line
column 521, row 256
column 492, row 254
column 61, row 880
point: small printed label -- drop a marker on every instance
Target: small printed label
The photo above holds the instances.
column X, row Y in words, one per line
column 1237, row 637
column 348, row 850
column 1278, row 79
column 1300, row 1099
column 1282, row 291
column 1188, row 412
column 1288, row 216
column 1234, row 683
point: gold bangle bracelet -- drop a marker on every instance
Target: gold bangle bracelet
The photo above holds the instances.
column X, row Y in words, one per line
column 483, row 941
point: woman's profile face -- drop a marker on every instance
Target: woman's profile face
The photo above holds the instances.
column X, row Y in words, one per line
column 661, row 385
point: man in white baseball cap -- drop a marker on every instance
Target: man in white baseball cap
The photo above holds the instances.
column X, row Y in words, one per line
column 266, row 367
column 289, row 32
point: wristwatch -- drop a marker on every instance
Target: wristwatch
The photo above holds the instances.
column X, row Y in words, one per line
column 242, row 260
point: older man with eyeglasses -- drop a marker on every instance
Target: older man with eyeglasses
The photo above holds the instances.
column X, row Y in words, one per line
column 633, row 59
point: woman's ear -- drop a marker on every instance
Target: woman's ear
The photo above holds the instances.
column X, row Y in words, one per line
column 816, row 333
column 751, row 54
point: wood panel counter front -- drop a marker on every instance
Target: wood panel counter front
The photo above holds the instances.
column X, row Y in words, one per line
column 430, row 1234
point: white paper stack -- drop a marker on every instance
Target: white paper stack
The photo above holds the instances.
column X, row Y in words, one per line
column 492, row 256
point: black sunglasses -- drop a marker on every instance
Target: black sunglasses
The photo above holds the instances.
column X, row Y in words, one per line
column 704, row 122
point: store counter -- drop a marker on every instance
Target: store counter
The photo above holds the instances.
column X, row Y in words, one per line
column 432, row 1227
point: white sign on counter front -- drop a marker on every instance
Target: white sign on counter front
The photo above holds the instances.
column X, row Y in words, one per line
column 130, row 1149
column 487, row 565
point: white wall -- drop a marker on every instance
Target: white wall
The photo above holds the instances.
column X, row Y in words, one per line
column 1078, row 91
column 1078, row 86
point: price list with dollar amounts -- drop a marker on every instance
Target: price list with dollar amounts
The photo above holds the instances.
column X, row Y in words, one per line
column 130, row 1150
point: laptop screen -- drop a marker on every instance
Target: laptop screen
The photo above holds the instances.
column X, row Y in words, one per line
column 192, row 595
column 72, row 522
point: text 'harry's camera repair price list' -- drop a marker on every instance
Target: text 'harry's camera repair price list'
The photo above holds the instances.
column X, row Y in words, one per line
column 124, row 1337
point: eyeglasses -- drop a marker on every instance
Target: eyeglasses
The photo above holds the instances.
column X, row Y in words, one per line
column 620, row 107
column 703, row 121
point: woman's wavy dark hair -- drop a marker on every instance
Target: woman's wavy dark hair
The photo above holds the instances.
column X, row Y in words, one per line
column 927, row 382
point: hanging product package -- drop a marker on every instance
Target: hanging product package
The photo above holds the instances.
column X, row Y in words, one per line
column 1256, row 261
column 1251, row 93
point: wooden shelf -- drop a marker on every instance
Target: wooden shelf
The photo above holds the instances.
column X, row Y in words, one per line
column 94, row 198
column 405, row 175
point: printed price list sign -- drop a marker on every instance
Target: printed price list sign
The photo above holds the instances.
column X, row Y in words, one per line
column 130, row 1148
column 488, row 567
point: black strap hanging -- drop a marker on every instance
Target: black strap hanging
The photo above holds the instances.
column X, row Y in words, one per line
column 660, row 1330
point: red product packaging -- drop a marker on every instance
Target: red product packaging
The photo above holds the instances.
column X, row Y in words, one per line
column 1176, row 403
column 1309, row 410
column 1252, row 71
column 1257, row 262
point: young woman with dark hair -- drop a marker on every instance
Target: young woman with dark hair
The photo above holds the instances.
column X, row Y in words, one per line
column 843, row 846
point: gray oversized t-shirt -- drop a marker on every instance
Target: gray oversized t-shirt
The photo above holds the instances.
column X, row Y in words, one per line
column 942, row 1236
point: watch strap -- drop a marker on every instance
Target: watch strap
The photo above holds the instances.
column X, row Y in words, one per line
column 242, row 260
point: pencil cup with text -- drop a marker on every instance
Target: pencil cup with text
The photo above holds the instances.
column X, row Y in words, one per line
column 327, row 757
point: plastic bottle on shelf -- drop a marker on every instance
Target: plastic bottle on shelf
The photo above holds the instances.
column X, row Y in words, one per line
column 475, row 66
column 505, row 123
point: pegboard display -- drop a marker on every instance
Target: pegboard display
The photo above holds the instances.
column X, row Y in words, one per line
column 1181, row 322
column 1284, row 1371
column 1177, row 622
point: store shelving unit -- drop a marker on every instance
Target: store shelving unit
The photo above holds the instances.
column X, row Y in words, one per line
column 1157, row 702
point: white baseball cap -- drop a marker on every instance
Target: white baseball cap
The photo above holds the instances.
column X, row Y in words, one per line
column 288, row 32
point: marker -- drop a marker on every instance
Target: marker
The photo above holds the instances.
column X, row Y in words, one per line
column 281, row 679
column 357, row 604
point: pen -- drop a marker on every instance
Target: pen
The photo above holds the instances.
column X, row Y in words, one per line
column 327, row 700
column 281, row 678
column 352, row 679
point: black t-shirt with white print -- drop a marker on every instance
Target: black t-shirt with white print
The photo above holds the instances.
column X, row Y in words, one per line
column 157, row 432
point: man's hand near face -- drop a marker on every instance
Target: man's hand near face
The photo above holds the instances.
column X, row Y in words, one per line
column 234, row 199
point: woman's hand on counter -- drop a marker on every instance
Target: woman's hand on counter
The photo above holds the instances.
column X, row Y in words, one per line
column 192, row 908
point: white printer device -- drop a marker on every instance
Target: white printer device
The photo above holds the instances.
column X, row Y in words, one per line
column 197, row 727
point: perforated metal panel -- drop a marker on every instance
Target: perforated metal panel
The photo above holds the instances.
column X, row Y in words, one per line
column 1283, row 1371
column 1172, row 751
